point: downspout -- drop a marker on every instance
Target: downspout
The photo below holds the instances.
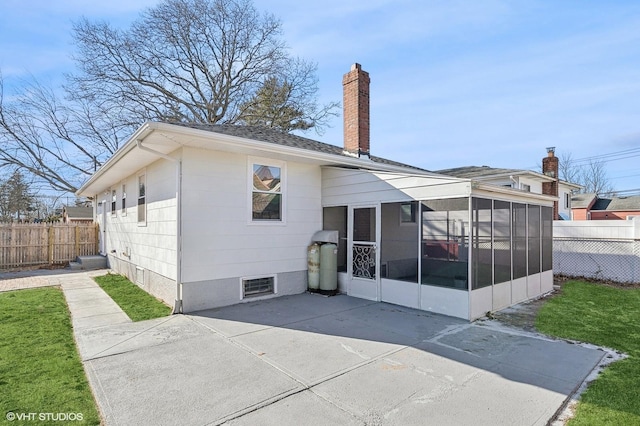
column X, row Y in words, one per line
column 177, row 308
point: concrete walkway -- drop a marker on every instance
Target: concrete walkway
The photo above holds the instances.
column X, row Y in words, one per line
column 316, row 360
column 89, row 305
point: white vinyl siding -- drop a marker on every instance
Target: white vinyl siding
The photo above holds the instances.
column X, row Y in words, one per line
column 219, row 240
column 151, row 247
column 341, row 187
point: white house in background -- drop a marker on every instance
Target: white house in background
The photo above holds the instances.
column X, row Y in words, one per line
column 525, row 180
column 212, row 215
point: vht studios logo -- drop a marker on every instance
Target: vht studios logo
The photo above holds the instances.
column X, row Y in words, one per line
column 51, row 417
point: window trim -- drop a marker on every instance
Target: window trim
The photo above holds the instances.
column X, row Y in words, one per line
column 251, row 162
column 142, row 174
column 123, row 200
column 114, row 201
column 414, row 213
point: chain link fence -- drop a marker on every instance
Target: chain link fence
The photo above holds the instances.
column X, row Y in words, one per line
column 604, row 259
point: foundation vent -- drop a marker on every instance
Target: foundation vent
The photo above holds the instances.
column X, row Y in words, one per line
column 258, row 286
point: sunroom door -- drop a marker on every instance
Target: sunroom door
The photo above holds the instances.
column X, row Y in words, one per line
column 364, row 257
column 400, row 253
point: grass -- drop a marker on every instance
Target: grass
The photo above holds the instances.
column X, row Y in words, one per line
column 134, row 301
column 40, row 370
column 609, row 317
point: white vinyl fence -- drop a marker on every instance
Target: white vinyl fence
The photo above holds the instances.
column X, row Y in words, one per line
column 601, row 249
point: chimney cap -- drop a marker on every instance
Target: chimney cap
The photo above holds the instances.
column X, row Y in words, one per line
column 356, row 66
column 551, row 150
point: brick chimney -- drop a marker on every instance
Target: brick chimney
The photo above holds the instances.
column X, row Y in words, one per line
column 355, row 99
column 550, row 168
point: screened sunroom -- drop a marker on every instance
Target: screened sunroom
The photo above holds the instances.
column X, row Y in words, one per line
column 437, row 243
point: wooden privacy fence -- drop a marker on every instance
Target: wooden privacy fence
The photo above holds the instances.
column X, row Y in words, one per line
column 45, row 243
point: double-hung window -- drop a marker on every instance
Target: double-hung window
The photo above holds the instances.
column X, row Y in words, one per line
column 124, row 200
column 267, row 191
column 113, row 202
column 142, row 199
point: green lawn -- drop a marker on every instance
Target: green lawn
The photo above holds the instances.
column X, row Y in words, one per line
column 137, row 303
column 40, row 370
column 609, row 317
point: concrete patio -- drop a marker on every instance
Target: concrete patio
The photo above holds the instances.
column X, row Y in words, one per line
column 319, row 360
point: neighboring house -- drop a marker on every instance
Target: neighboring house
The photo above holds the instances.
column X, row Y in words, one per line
column 525, row 180
column 212, row 215
column 77, row 214
column 592, row 207
column 581, row 205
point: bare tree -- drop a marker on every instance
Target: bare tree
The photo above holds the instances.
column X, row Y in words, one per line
column 568, row 169
column 593, row 176
column 197, row 61
column 60, row 142
column 203, row 61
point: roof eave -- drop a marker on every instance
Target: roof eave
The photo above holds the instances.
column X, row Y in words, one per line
column 250, row 144
column 142, row 132
column 294, row 151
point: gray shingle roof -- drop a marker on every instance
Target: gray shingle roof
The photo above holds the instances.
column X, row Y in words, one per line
column 620, row 204
column 79, row 212
column 264, row 134
column 582, row 201
column 470, row 172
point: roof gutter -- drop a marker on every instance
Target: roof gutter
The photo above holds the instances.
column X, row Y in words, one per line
column 511, row 192
column 142, row 132
column 177, row 308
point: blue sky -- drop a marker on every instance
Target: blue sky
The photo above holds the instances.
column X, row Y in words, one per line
column 453, row 83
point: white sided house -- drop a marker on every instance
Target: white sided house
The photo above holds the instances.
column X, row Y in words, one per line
column 204, row 216
column 546, row 182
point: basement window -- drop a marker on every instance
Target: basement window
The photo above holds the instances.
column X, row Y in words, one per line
column 258, row 286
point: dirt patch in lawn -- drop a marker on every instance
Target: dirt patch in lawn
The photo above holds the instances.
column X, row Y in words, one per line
column 523, row 315
column 559, row 280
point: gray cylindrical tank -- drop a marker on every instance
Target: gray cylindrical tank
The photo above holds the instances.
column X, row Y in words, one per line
column 328, row 268
column 313, row 266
